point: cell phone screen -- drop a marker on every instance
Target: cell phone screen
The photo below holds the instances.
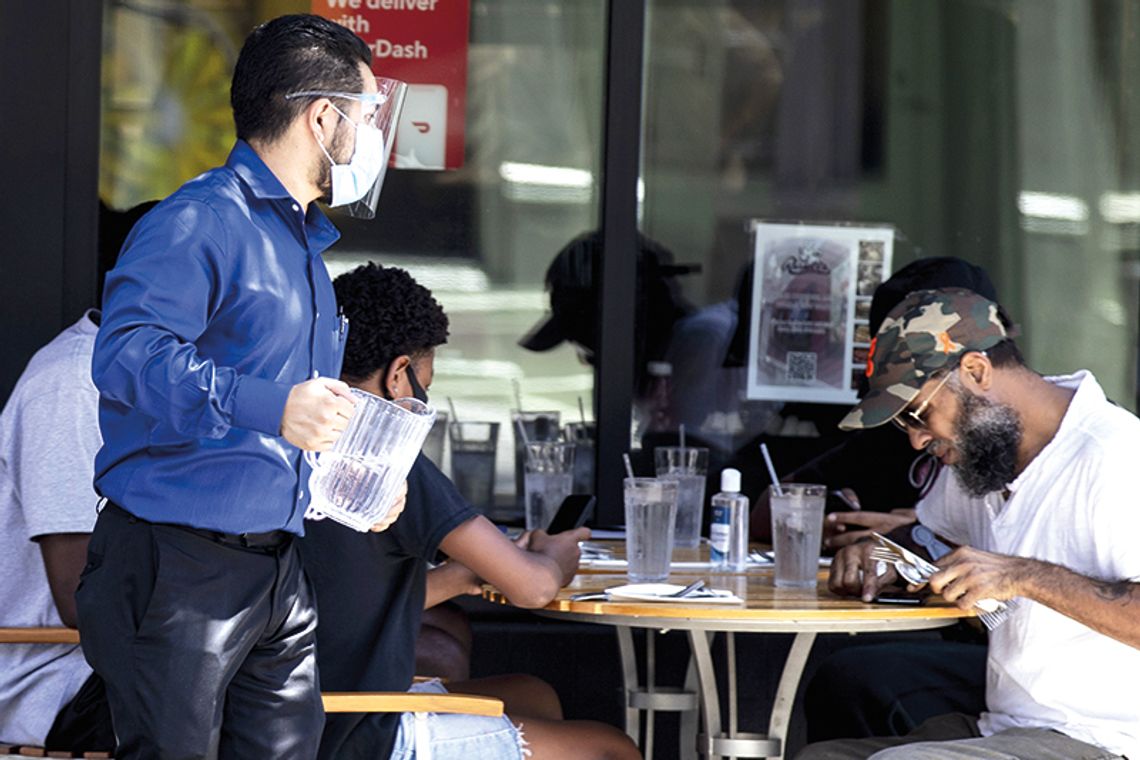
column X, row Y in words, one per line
column 572, row 514
column 897, row 597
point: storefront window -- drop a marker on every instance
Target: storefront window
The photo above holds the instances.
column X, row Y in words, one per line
column 479, row 237
column 1000, row 132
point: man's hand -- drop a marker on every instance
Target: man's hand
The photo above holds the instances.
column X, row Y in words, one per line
column 854, row 573
column 316, row 413
column 562, row 548
column 969, row 575
column 845, row 528
column 395, row 511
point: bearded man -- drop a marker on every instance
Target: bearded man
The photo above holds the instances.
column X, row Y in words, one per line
column 1040, row 497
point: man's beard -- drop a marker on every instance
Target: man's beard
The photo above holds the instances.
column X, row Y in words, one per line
column 988, row 437
column 323, row 171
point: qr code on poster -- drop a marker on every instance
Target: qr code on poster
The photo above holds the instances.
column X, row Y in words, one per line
column 801, row 366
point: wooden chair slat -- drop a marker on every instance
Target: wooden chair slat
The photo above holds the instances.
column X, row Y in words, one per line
column 361, row 702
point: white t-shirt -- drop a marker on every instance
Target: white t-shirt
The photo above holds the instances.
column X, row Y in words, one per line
column 1076, row 505
column 49, row 433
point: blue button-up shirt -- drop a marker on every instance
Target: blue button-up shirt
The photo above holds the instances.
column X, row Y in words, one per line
column 218, row 305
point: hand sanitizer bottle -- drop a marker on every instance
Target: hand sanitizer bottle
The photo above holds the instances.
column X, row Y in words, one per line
column 728, row 534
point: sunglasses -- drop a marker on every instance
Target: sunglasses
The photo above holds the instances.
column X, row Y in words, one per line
column 912, row 419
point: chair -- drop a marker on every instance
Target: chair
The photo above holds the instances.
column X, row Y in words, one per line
column 419, row 704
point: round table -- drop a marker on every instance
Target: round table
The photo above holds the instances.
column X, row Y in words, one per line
column 764, row 609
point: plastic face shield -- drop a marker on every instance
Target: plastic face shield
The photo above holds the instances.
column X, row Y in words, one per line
column 380, row 109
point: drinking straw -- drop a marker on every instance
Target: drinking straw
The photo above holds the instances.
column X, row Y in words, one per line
column 522, row 435
column 771, row 470
column 628, row 465
column 522, row 431
column 581, row 410
column 518, row 393
column 454, row 416
column 682, row 430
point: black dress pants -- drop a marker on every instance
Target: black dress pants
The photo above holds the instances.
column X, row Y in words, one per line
column 207, row 649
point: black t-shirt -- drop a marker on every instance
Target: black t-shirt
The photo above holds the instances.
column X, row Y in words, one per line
column 370, row 597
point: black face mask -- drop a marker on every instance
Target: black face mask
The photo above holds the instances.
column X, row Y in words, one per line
column 418, row 392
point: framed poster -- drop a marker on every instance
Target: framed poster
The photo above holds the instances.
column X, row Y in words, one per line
column 812, row 291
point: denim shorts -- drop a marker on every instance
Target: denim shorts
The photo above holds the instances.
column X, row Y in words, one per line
column 458, row 737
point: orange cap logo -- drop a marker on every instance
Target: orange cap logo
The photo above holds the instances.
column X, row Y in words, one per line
column 945, row 344
column 871, row 357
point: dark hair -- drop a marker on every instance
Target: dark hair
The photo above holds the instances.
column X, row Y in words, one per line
column 1005, row 354
column 389, row 314
column 297, row 53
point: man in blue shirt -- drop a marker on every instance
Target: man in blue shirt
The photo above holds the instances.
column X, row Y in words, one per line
column 216, row 365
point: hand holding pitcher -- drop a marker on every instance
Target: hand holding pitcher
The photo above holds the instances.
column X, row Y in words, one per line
column 316, row 413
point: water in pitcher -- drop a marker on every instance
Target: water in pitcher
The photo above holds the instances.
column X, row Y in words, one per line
column 349, row 483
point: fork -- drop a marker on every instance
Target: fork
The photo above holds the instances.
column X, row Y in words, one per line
column 692, row 588
column 991, row 612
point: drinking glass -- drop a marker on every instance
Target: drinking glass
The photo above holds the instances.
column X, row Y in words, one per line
column 433, row 444
column 473, row 446
column 689, row 466
column 549, row 480
column 650, row 514
column 539, row 426
column 797, row 533
column 582, row 435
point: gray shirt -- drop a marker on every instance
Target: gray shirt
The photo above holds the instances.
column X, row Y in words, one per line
column 49, row 434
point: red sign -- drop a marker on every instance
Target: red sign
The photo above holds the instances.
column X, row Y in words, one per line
column 423, row 43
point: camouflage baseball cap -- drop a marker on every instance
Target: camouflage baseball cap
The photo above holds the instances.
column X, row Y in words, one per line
column 924, row 334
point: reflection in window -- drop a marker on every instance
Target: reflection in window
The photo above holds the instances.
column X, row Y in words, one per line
column 480, row 237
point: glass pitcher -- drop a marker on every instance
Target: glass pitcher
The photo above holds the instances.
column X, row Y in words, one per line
column 356, row 481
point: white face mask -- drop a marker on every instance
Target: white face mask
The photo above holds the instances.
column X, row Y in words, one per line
column 352, row 181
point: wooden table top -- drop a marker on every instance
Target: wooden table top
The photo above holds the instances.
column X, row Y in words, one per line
column 765, row 607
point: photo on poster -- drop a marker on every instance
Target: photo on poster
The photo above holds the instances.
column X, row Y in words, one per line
column 812, row 286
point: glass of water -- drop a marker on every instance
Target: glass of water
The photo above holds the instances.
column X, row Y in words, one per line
column 650, row 514
column 797, row 532
column 582, row 435
column 538, row 426
column 549, row 480
column 473, row 447
column 689, row 466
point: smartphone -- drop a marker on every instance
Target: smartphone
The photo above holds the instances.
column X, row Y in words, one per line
column 837, row 501
column 897, row 597
column 572, row 513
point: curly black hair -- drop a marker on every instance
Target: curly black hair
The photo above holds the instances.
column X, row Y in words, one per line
column 389, row 314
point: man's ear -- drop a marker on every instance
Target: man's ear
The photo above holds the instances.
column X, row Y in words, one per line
column 394, row 377
column 322, row 119
column 976, row 372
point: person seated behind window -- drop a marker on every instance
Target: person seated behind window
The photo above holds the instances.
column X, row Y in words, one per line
column 876, row 470
column 371, row 588
column 49, row 433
